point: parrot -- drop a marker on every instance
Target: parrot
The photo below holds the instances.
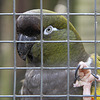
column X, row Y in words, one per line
column 55, row 54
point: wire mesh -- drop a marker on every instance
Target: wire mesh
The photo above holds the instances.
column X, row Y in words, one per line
column 68, row 41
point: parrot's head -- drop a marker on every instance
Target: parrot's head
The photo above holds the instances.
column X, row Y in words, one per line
column 54, row 28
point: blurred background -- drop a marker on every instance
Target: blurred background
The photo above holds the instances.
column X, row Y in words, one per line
column 83, row 24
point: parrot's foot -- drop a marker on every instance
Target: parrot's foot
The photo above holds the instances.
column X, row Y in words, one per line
column 84, row 77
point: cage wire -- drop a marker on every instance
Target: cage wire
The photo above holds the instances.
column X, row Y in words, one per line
column 68, row 41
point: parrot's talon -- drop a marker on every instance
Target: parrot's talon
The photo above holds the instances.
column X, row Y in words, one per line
column 95, row 76
column 77, row 78
column 77, row 71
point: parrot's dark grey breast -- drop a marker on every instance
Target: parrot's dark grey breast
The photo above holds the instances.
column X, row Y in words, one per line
column 54, row 83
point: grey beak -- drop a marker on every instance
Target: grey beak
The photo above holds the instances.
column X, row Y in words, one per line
column 24, row 48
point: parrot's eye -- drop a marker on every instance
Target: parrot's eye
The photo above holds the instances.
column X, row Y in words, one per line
column 49, row 30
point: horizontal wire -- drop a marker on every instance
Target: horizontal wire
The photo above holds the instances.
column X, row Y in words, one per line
column 45, row 68
column 56, row 96
column 37, row 14
column 53, row 41
column 10, row 96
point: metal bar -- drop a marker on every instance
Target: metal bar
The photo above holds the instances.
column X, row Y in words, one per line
column 53, row 14
column 6, row 96
column 6, row 14
column 10, row 96
column 54, row 41
column 14, row 22
column 41, row 21
column 45, row 68
column 64, row 14
column 95, row 27
column 68, row 50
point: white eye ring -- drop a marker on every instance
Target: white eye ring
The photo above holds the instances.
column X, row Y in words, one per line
column 49, row 30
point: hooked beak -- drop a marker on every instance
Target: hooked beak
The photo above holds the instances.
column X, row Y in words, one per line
column 24, row 48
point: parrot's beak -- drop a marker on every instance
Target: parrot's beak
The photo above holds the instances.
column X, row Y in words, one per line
column 23, row 48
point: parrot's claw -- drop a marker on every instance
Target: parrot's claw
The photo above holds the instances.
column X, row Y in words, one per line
column 95, row 76
column 77, row 70
column 76, row 75
column 77, row 78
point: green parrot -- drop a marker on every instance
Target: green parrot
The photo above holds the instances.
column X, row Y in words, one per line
column 54, row 55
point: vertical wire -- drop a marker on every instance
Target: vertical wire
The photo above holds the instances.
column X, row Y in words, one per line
column 14, row 21
column 41, row 21
column 95, row 42
column 68, row 63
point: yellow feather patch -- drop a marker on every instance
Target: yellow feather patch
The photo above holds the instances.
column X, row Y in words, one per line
column 98, row 72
